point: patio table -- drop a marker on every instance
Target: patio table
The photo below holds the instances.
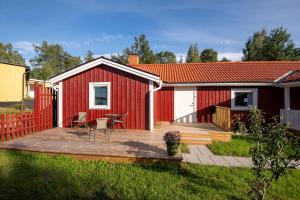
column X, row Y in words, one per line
column 111, row 117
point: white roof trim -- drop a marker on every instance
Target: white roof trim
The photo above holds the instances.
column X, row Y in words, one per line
column 283, row 76
column 215, row 84
column 290, row 84
column 100, row 61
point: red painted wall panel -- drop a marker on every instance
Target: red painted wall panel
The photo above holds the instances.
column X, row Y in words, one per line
column 129, row 93
column 295, row 98
column 164, row 105
column 270, row 100
column 211, row 96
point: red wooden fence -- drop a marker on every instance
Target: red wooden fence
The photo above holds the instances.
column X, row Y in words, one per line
column 23, row 123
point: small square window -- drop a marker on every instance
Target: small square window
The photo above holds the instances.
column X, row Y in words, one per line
column 242, row 99
column 99, row 95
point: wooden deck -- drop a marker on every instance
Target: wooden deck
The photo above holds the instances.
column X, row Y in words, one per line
column 140, row 146
column 130, row 147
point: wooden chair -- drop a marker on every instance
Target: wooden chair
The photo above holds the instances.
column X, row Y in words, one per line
column 101, row 125
column 80, row 118
column 120, row 120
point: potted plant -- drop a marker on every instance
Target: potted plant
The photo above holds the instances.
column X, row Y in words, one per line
column 172, row 139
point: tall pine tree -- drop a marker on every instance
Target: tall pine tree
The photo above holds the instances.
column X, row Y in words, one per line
column 193, row 54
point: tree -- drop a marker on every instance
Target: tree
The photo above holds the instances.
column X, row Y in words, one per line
column 140, row 47
column 277, row 45
column 165, row 57
column 89, row 56
column 8, row 55
column 275, row 149
column 225, row 60
column 254, row 46
column 50, row 60
column 209, row 55
column 193, row 54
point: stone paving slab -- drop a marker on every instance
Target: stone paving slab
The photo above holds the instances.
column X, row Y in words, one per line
column 220, row 161
column 201, row 154
column 205, row 160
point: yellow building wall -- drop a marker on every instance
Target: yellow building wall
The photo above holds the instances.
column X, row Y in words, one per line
column 11, row 78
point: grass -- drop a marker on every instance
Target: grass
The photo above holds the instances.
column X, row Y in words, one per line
column 239, row 146
column 38, row 176
column 184, row 148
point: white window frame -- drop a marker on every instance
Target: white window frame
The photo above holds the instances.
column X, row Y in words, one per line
column 243, row 108
column 92, row 95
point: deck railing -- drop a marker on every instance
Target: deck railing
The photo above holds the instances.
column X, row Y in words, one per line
column 291, row 117
column 222, row 118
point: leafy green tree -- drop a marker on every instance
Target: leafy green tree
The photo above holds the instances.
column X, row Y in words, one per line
column 89, row 56
column 225, row 60
column 254, row 46
column 165, row 57
column 209, row 55
column 193, row 54
column 51, row 59
column 274, row 152
column 140, row 47
column 122, row 57
column 8, row 55
column 277, row 45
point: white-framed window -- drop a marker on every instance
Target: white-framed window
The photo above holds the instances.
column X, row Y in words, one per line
column 99, row 95
column 243, row 98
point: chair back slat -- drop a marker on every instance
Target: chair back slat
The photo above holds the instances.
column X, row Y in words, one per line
column 82, row 116
column 101, row 123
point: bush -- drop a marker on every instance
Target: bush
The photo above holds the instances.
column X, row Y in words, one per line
column 275, row 149
column 239, row 127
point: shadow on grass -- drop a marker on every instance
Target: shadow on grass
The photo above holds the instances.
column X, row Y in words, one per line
column 26, row 177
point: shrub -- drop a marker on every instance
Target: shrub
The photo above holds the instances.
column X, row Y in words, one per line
column 239, row 127
column 275, row 149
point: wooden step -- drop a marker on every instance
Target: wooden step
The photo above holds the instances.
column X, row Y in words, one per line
column 196, row 135
column 192, row 140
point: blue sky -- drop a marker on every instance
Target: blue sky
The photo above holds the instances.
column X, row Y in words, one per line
column 107, row 27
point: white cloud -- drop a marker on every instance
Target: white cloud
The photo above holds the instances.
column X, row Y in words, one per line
column 233, row 56
column 24, row 47
column 180, row 56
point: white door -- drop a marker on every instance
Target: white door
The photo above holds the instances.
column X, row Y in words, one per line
column 185, row 104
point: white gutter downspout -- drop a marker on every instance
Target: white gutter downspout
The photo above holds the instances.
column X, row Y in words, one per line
column 151, row 102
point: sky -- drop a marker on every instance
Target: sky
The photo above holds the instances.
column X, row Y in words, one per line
column 108, row 26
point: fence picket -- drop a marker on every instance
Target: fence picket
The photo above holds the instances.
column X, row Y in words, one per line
column 20, row 124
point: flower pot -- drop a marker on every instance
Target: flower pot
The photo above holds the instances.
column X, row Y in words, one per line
column 172, row 148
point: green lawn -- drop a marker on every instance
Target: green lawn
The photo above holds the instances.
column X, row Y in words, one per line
column 239, row 146
column 37, row 176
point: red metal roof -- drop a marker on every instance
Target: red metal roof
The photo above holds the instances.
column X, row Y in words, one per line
column 221, row 72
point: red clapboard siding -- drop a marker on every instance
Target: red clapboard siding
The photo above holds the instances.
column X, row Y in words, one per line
column 211, row 96
column 270, row 100
column 295, row 98
column 164, row 105
column 129, row 93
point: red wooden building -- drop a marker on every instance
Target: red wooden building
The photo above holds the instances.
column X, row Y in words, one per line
column 175, row 92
